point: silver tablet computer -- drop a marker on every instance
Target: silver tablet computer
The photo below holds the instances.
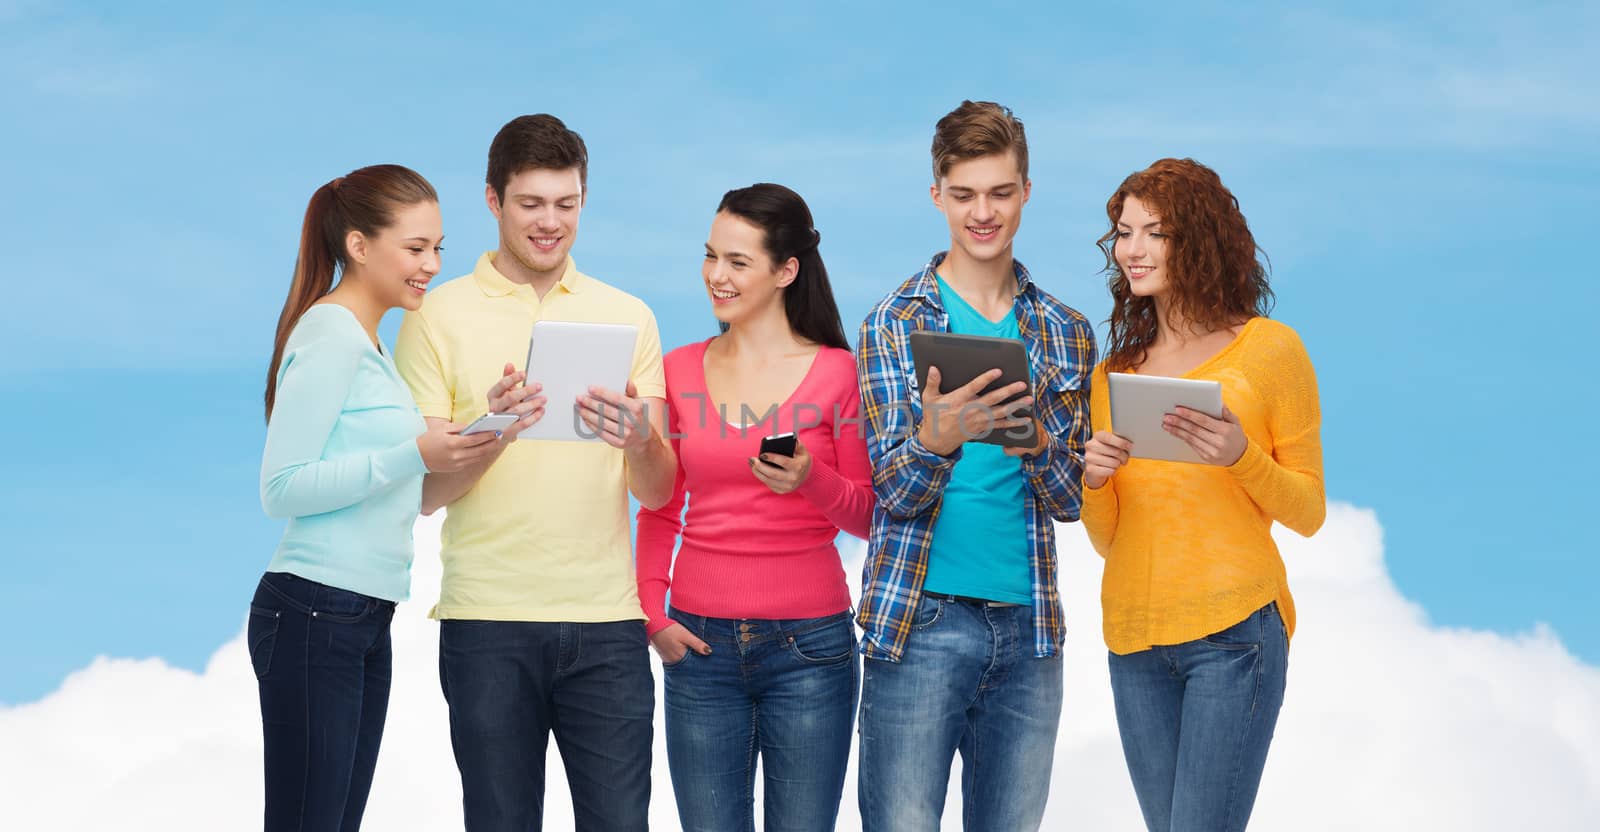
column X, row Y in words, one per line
column 1138, row 404
column 567, row 357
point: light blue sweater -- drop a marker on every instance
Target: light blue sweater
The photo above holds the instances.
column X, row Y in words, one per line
column 341, row 460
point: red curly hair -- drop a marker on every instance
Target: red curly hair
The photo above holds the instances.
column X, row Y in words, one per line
column 1215, row 279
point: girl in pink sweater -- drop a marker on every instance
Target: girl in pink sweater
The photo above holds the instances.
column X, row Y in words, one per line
column 758, row 647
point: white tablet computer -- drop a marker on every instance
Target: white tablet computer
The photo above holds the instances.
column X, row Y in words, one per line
column 567, row 357
column 1138, row 404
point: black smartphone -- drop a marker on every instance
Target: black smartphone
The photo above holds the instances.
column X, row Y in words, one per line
column 782, row 444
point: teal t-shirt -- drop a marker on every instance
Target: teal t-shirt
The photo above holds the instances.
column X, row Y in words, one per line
column 980, row 541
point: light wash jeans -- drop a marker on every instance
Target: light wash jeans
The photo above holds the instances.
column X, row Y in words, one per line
column 968, row 682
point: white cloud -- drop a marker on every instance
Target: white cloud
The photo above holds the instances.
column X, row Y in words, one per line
column 1390, row 723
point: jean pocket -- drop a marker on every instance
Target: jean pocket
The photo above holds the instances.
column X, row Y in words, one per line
column 341, row 606
column 1246, row 635
column 832, row 644
column 928, row 612
column 666, row 665
column 262, row 636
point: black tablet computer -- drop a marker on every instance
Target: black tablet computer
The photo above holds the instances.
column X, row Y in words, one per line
column 962, row 358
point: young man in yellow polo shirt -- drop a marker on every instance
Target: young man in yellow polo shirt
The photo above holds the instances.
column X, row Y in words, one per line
column 540, row 624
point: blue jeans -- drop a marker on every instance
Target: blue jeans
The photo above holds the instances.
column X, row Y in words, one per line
column 323, row 663
column 785, row 689
column 969, row 682
column 510, row 684
column 1196, row 720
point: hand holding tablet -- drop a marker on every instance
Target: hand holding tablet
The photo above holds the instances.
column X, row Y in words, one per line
column 974, row 389
column 1172, row 419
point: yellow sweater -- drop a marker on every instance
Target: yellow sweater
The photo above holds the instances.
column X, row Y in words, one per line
column 1188, row 547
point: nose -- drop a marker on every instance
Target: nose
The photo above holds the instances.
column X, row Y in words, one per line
column 547, row 219
column 1132, row 247
column 430, row 263
column 984, row 210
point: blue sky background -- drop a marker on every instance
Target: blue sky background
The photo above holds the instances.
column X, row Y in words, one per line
column 1424, row 181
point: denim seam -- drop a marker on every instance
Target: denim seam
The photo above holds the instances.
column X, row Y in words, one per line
column 577, row 646
column 299, row 607
column 277, row 619
column 750, row 758
column 1238, row 765
column 305, row 698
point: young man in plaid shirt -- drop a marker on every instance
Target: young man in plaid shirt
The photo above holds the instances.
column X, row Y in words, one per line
column 960, row 610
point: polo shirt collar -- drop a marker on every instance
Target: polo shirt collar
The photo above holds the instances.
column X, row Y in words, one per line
column 494, row 284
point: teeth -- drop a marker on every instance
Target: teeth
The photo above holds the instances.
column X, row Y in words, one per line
column 416, row 284
column 723, row 294
column 546, row 241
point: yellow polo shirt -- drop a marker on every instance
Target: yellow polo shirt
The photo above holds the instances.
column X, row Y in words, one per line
column 544, row 535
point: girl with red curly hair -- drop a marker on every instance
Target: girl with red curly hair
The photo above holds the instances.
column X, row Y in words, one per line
column 1197, row 610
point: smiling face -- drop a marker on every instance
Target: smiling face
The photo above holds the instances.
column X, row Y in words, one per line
column 538, row 222
column 396, row 264
column 741, row 279
column 1141, row 249
column 982, row 201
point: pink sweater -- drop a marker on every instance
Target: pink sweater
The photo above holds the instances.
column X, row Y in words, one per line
column 747, row 552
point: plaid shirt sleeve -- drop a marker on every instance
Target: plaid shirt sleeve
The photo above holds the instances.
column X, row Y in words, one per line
column 907, row 477
column 1055, row 474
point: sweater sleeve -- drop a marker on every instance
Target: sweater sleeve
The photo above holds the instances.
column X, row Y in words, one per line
column 658, row 531
column 1286, row 480
column 845, row 495
column 296, row 481
column 1100, row 507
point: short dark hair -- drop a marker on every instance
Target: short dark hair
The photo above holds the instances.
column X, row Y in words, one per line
column 976, row 129
column 539, row 141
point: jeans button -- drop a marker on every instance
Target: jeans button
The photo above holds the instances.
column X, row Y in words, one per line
column 745, row 638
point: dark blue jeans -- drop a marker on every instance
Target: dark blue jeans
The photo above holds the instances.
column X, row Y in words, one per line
column 510, row 684
column 784, row 689
column 1196, row 720
column 323, row 664
column 968, row 682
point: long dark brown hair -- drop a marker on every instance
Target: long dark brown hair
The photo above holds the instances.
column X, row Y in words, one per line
column 787, row 227
column 364, row 200
column 1214, row 277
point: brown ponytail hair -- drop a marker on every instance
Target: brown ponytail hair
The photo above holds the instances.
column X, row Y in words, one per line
column 363, row 200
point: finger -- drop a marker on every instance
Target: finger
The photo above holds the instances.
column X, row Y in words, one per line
column 631, row 390
column 608, row 396
column 1227, row 416
column 1006, row 394
column 1201, row 420
column 1190, row 438
column 509, row 369
column 972, row 388
column 783, row 463
column 695, row 644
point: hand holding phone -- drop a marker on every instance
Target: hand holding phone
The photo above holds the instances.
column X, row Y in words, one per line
column 495, row 422
column 782, row 444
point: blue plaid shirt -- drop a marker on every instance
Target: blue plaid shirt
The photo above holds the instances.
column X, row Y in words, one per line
column 910, row 479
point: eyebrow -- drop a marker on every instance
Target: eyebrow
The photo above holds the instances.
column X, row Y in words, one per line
column 541, row 196
column 966, row 190
column 1146, row 225
column 710, row 250
column 423, row 239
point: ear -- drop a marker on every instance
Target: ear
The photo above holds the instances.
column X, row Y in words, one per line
column 789, row 272
column 1027, row 189
column 355, row 247
column 493, row 200
column 938, row 196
